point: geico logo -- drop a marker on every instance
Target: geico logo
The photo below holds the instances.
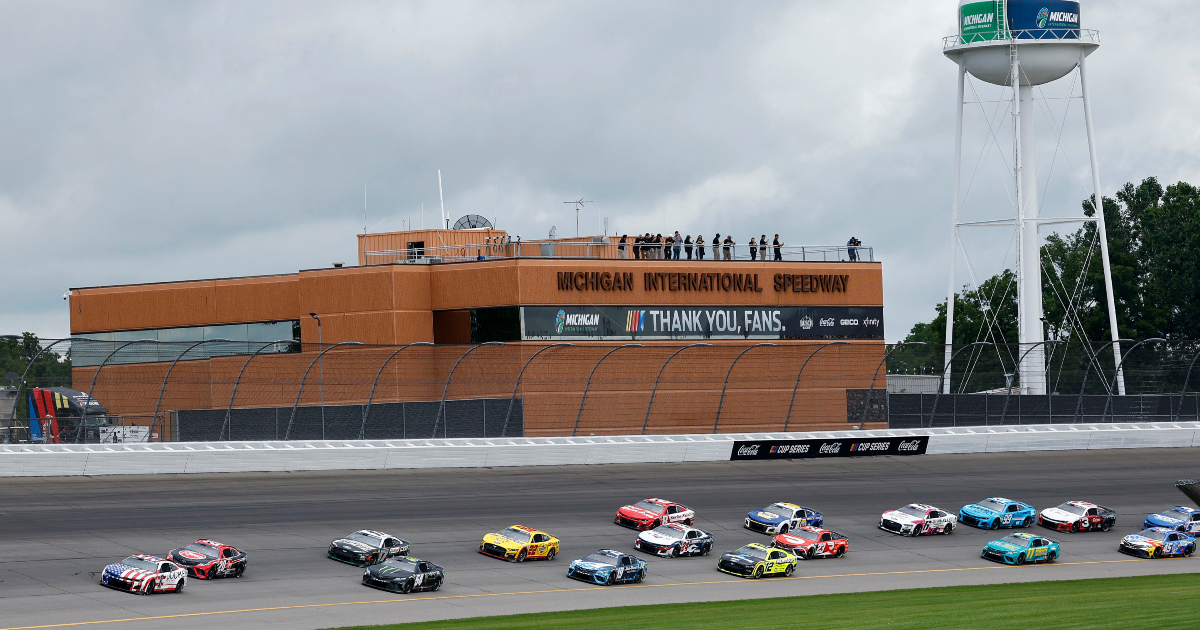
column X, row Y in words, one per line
column 835, row 447
column 583, row 319
column 752, row 449
column 849, row 322
column 909, row 446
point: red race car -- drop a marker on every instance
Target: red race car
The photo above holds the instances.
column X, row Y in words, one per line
column 651, row 513
column 812, row 542
column 208, row 559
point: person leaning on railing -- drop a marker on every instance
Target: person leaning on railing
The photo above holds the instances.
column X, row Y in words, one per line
column 621, row 246
column 687, row 246
column 778, row 245
column 725, row 247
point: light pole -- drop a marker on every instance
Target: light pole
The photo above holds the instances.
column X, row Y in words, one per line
column 320, row 370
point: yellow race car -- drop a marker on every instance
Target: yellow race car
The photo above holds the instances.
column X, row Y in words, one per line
column 519, row 543
column 756, row 561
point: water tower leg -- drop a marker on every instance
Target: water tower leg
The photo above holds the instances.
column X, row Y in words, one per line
column 958, row 111
column 1108, row 286
column 1029, row 299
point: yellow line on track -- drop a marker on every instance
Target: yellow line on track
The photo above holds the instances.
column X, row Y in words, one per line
column 556, row 590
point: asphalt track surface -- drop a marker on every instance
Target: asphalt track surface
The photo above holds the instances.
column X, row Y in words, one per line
column 56, row 534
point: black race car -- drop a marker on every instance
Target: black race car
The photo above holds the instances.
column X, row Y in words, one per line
column 366, row 547
column 404, row 575
column 208, row 559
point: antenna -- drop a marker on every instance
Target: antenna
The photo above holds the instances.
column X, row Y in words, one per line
column 364, row 209
column 422, row 216
column 578, row 207
column 445, row 219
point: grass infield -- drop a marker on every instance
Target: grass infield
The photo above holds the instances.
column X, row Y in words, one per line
column 1156, row 601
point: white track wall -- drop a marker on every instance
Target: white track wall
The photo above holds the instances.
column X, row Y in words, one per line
column 34, row 460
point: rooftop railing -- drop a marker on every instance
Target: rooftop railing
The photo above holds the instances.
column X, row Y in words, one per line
column 1083, row 35
column 620, row 251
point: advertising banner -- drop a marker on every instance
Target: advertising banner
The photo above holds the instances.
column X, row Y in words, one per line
column 553, row 323
column 980, row 21
column 831, row 447
column 1044, row 19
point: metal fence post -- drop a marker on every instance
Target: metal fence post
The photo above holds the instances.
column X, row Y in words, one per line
column 867, row 405
column 237, row 381
column 588, row 385
column 442, row 405
column 654, row 391
column 1182, row 392
column 513, row 399
column 83, row 415
column 1117, row 373
column 21, row 384
column 288, row 433
column 162, row 390
column 366, row 410
column 788, row 419
column 727, row 375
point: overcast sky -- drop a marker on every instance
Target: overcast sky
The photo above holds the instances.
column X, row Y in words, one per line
column 161, row 141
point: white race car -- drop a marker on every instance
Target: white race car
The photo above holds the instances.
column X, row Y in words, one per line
column 915, row 519
column 673, row 540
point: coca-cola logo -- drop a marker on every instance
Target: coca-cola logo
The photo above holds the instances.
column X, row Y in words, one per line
column 909, row 446
column 748, row 451
column 834, row 447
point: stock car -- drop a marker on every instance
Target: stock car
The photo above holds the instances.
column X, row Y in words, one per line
column 915, row 519
column 1158, row 542
column 366, row 547
column 813, row 542
column 756, row 561
column 1074, row 516
column 208, row 559
column 778, row 518
column 673, row 540
column 1178, row 518
column 997, row 512
column 143, row 574
column 404, row 574
column 650, row 513
column 1019, row 548
column 519, row 543
column 608, row 567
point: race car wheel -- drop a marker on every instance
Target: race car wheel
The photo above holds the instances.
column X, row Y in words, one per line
column 949, row 529
column 788, row 571
column 1105, row 526
column 758, row 573
column 1074, row 527
column 148, row 588
column 707, row 548
column 811, row 553
column 637, row 579
column 1153, row 554
column 611, row 578
column 690, row 522
column 436, row 586
column 550, row 554
column 841, row 551
column 179, row 585
column 995, row 524
column 1188, row 551
column 241, row 568
column 407, row 587
column 655, row 524
column 1027, row 522
column 674, row 551
column 521, row 556
column 783, row 529
column 1021, row 559
column 1051, row 557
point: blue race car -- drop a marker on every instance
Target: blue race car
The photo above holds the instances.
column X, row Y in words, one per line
column 996, row 512
column 1158, row 542
column 779, row 518
column 1178, row 518
column 608, row 567
column 1019, row 548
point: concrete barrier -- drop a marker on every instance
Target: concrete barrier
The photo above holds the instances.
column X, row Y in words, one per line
column 35, row 460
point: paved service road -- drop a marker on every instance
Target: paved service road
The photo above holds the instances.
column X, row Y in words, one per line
column 56, row 534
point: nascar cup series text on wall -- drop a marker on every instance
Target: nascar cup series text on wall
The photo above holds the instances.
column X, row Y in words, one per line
column 621, row 281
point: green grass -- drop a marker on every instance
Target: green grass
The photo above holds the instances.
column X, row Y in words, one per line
column 1158, row 601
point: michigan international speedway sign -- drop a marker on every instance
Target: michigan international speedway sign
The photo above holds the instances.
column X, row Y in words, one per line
column 829, row 447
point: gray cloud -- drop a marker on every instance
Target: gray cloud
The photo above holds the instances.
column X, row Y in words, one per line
column 162, row 141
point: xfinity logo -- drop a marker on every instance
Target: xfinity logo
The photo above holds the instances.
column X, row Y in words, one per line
column 835, row 447
column 910, row 446
column 748, row 451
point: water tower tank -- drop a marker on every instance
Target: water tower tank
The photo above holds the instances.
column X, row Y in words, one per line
column 1046, row 35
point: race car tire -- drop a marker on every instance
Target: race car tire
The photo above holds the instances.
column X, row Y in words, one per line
column 1105, row 526
column 783, row 529
column 521, row 555
column 1153, row 554
column 147, row 588
column 949, row 529
column 674, row 552
column 655, row 524
column 179, row 585
column 1051, row 557
column 689, row 522
column 758, row 572
column 407, row 587
column 239, row 571
column 1188, row 551
column 1027, row 522
column 705, row 550
column 995, row 524
column 637, row 579
column 788, row 571
column 1074, row 527
column 550, row 554
column 436, row 586
column 1021, row 559
column 841, row 551
column 811, row 553
column 611, row 579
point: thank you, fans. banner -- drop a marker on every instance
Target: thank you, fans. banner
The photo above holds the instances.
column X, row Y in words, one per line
column 829, row 447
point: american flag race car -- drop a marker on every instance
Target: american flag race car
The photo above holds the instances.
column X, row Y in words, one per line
column 143, row 574
column 366, row 547
column 1075, row 516
column 915, row 519
column 673, row 540
column 812, row 542
column 208, row 559
column 650, row 513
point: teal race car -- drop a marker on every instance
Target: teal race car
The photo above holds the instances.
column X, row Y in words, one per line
column 1020, row 548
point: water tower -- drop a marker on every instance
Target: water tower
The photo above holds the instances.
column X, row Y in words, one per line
column 1023, row 43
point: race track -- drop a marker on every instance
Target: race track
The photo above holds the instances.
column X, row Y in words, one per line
column 56, row 534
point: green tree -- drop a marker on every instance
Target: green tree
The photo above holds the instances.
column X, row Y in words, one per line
column 50, row 369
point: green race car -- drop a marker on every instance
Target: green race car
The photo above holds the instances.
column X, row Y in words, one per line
column 755, row 560
column 1019, row 548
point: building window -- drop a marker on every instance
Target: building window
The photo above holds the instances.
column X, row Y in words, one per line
column 174, row 342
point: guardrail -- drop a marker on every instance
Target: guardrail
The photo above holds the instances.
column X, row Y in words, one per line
column 35, row 460
column 1087, row 36
column 612, row 250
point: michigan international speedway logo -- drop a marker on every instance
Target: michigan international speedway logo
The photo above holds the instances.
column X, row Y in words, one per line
column 1043, row 17
column 559, row 320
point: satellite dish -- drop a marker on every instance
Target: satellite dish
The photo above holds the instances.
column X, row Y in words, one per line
column 472, row 222
column 553, row 232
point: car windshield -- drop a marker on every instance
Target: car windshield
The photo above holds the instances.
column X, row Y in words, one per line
column 407, row 564
column 204, row 549
column 1073, row 509
column 363, row 538
column 138, row 563
column 806, row 533
column 601, row 558
column 669, row 532
column 650, row 506
column 753, row 552
column 1020, row 541
column 912, row 510
column 1176, row 512
column 776, row 508
column 513, row 534
column 1153, row 535
column 991, row 505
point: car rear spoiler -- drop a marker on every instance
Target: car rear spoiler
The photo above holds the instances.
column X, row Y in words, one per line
column 1191, row 488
